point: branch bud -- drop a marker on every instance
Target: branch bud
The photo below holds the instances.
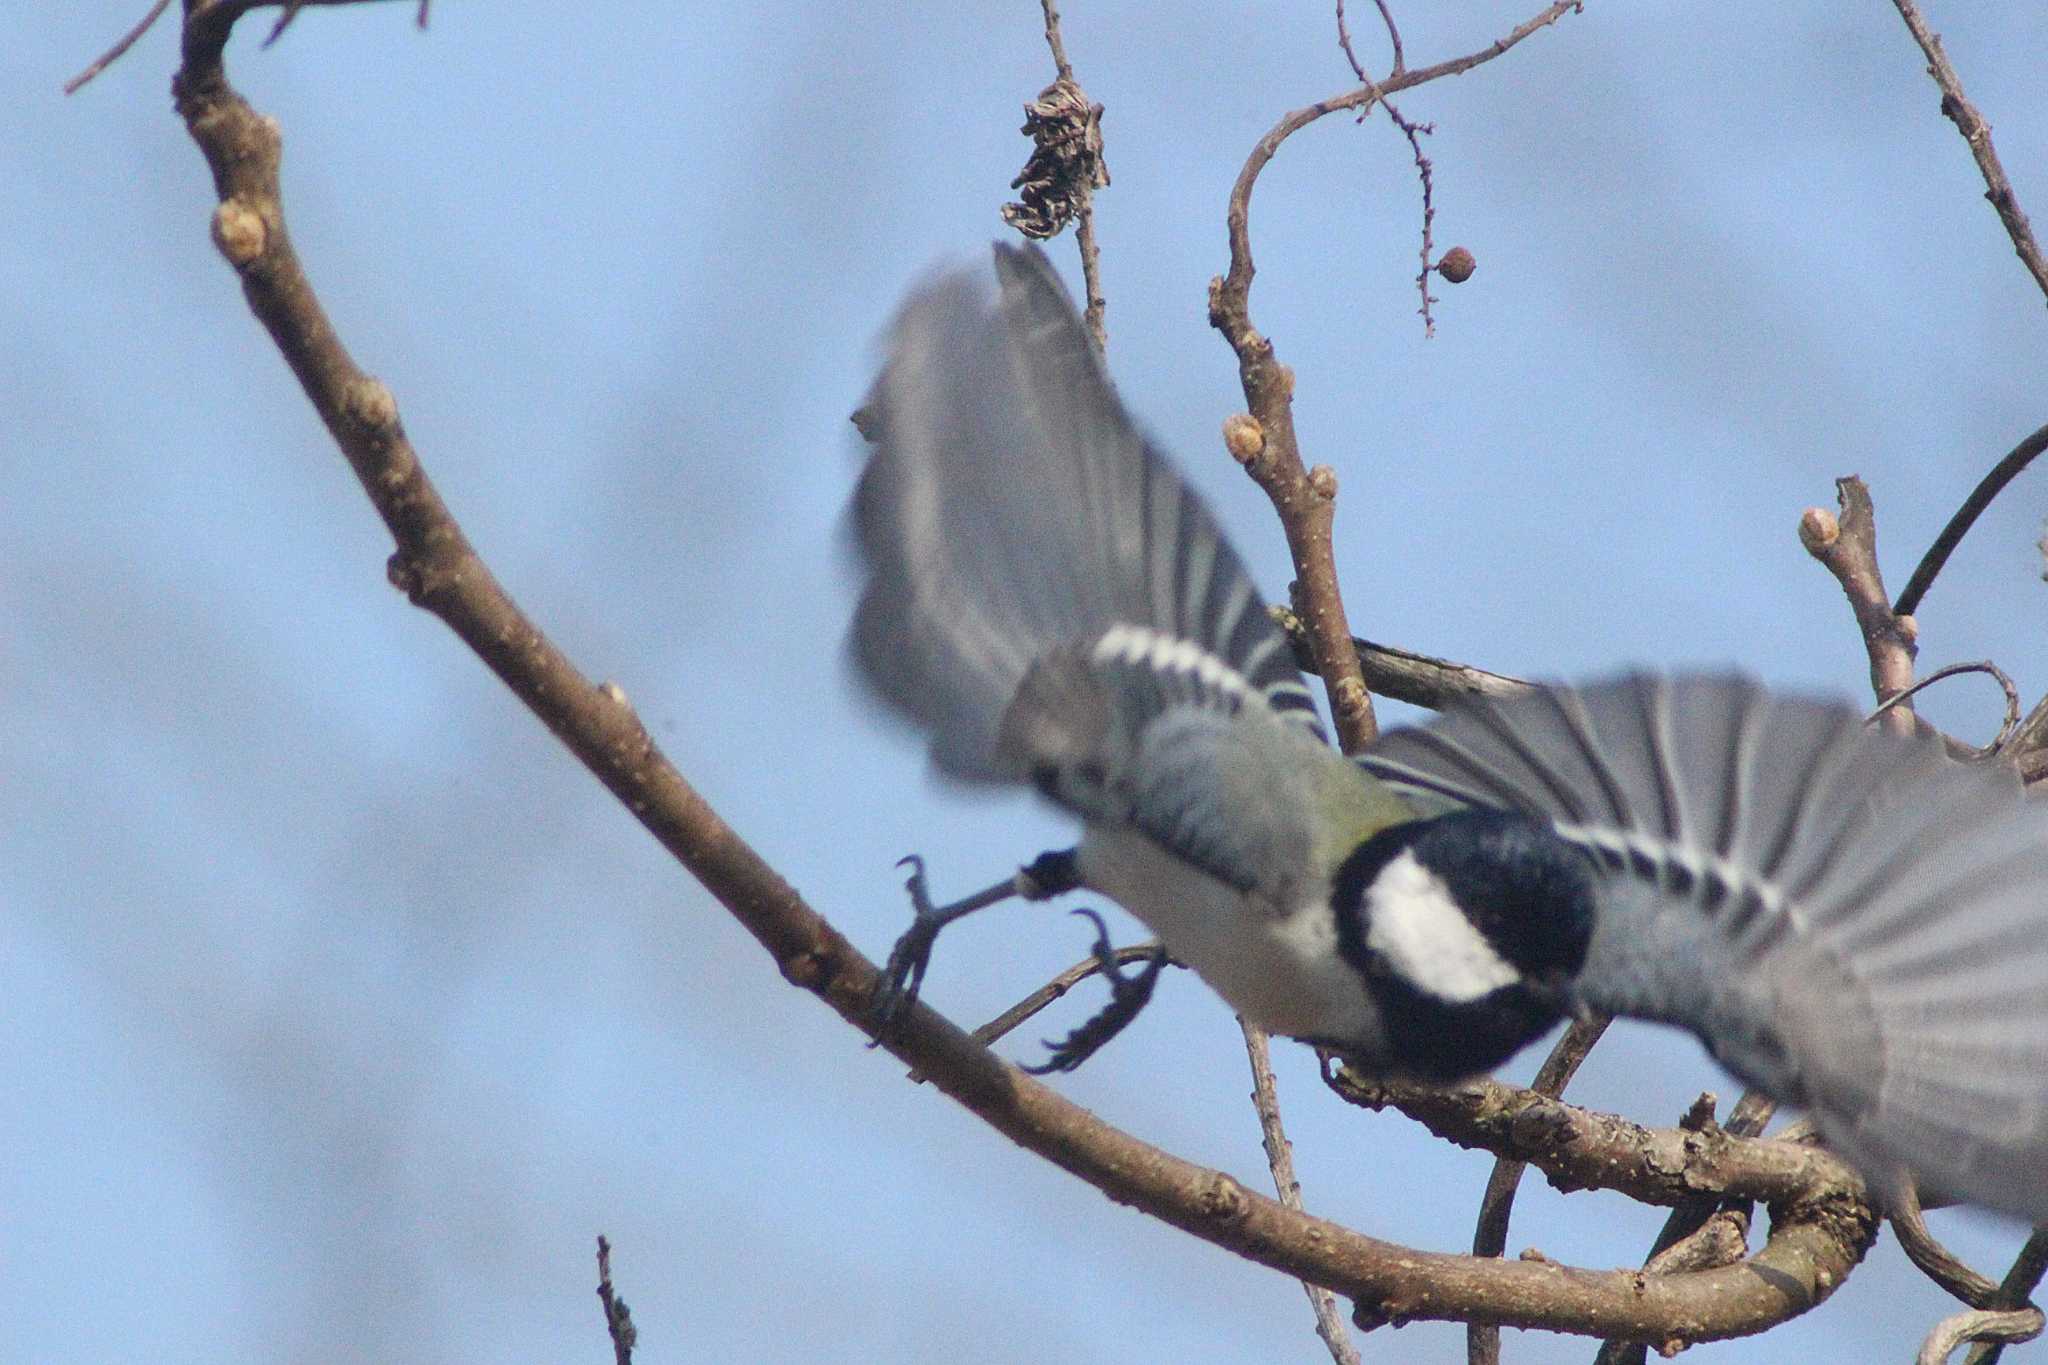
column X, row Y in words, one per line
column 1243, row 437
column 239, row 232
column 1818, row 529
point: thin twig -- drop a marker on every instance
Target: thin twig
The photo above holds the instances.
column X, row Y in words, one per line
column 1052, row 990
column 1280, row 1157
column 1497, row 1204
column 1091, row 275
column 1934, row 1260
column 1403, row 674
column 1414, row 133
column 618, row 1319
column 1393, row 36
column 1093, row 304
column 1238, row 282
column 1847, row 547
column 1052, row 39
column 1977, row 133
column 1344, row 43
column 2004, row 1326
column 1096, row 177
column 2012, row 699
column 1992, row 484
column 120, row 47
column 2013, row 1291
column 1304, row 498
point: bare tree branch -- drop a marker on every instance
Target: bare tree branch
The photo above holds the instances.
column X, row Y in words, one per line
column 1934, row 1260
column 1280, row 1157
column 1404, row 675
column 1393, row 36
column 1414, row 132
column 2019, row 1282
column 1064, row 172
column 618, row 1319
column 1264, row 441
column 1578, row 1149
column 1977, row 133
column 1052, row 990
column 2012, row 702
column 1497, row 1203
column 1992, row 484
column 120, row 47
column 1847, row 547
column 1061, row 66
column 2003, row 1326
column 1701, row 1233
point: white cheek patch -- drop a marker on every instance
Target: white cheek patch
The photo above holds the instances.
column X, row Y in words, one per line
column 1413, row 923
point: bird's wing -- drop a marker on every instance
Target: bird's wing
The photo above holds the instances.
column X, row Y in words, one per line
column 1051, row 603
column 1852, row 920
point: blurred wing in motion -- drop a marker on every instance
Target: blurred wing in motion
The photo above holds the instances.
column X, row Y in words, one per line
column 1050, row 603
column 1012, row 516
column 1851, row 920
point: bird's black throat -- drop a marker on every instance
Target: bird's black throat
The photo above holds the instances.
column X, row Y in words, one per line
column 1527, row 892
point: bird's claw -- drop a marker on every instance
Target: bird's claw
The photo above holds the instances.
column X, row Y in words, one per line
column 1127, row 996
column 903, row 974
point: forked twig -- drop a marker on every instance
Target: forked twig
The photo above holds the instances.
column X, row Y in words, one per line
column 1263, row 439
column 1846, row 545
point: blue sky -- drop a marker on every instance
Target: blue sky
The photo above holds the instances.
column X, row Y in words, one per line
column 344, row 1010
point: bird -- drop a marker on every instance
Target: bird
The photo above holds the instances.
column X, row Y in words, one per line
column 1851, row 920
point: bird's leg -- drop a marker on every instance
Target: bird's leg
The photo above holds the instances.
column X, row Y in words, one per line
column 1127, row 995
column 1048, row 875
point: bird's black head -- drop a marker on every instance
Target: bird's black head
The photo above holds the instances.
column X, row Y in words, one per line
column 1468, row 930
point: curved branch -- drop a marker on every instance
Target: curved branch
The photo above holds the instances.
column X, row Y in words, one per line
column 120, row 47
column 2004, row 1327
column 2019, row 1282
column 1264, row 440
column 2006, row 728
column 1578, row 1149
column 1811, row 1249
column 1934, row 1260
column 1992, row 484
column 1238, row 283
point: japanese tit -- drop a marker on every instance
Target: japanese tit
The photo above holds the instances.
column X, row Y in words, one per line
column 1850, row 920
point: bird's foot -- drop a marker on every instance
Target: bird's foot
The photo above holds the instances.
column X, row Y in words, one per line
column 1127, row 996
column 903, row 974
